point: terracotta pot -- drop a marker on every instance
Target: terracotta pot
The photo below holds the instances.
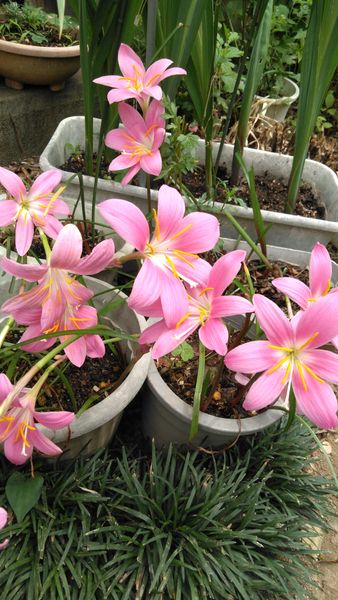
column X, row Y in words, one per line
column 37, row 65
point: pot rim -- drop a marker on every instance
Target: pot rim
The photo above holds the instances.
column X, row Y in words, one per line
column 40, row 51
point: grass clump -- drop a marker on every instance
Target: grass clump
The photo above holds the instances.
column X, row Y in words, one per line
column 172, row 525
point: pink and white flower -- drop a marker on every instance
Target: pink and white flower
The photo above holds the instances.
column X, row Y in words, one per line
column 3, row 522
column 291, row 355
column 74, row 317
column 169, row 255
column 35, row 207
column 138, row 141
column 57, row 290
column 320, row 274
column 136, row 82
column 206, row 309
column 18, row 432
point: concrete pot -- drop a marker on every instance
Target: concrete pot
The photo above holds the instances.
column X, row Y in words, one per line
column 166, row 418
column 284, row 230
column 96, row 426
column 36, row 65
column 277, row 108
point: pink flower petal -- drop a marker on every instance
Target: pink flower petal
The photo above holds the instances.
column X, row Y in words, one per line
column 173, row 71
column 214, row 335
column 146, row 288
column 153, row 332
column 201, row 233
column 95, row 346
column 24, row 233
column 225, row 270
column 320, row 270
column 120, row 139
column 67, row 248
column 124, row 161
column 3, row 517
column 8, row 211
column 54, row 419
column 174, row 300
column 27, row 272
column 127, row 220
column 132, row 121
column 154, row 72
column 76, row 352
column 317, row 402
column 12, row 183
column 154, row 309
column 45, row 183
column 295, row 289
column 131, row 174
column 265, row 390
column 59, row 207
column 321, row 318
column 52, row 226
column 108, row 80
column 253, row 357
column 171, row 208
column 99, row 259
column 171, row 338
column 272, row 320
column 154, row 115
column 128, row 60
column 151, row 163
column 120, row 95
column 323, row 363
column 13, row 449
column 34, row 331
column 5, row 388
column 228, row 306
column 154, row 91
column 43, row 444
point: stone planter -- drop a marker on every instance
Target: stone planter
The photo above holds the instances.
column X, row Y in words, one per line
column 96, row 426
column 283, row 230
column 277, row 108
column 36, row 65
column 167, row 418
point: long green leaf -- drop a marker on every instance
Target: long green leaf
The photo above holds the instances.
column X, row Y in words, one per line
column 319, row 63
column 254, row 75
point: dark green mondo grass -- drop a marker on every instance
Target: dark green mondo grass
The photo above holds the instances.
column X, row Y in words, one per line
column 171, row 525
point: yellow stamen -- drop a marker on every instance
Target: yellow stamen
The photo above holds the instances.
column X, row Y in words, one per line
column 53, row 329
column 21, row 433
column 183, row 259
column 151, row 248
column 279, row 364
column 10, row 423
column 186, row 253
column 180, row 232
column 182, row 320
column 172, row 266
column 157, row 225
column 312, row 373
column 149, row 82
column 282, row 348
column 300, row 370
column 53, row 198
column 309, row 340
column 327, row 288
column 286, row 374
column 207, row 289
column 37, row 217
column 149, row 130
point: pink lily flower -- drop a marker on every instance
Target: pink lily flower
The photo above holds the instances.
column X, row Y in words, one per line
column 3, row 522
column 136, row 82
column 291, row 355
column 18, row 431
column 169, row 254
column 34, row 207
column 206, row 309
column 57, row 288
column 138, row 141
column 320, row 273
column 74, row 317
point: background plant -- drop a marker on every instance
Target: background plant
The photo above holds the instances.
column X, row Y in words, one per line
column 171, row 524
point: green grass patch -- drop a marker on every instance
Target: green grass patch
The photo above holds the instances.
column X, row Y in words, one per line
column 171, row 525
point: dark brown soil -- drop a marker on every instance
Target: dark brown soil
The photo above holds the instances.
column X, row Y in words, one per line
column 271, row 192
column 76, row 164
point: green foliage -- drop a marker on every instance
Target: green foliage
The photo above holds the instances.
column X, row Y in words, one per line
column 288, row 31
column 184, row 351
column 225, row 74
column 23, row 493
column 172, row 525
column 179, row 148
column 328, row 114
column 32, row 25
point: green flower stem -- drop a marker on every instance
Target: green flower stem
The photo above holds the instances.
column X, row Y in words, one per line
column 198, row 392
column 45, row 244
column 38, row 385
column 31, row 373
column 5, row 330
